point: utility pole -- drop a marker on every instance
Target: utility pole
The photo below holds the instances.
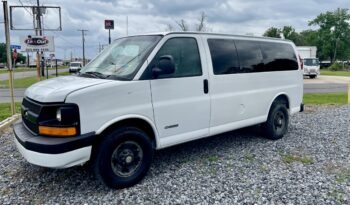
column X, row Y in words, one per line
column 38, row 32
column 83, row 39
column 127, row 26
column 8, row 52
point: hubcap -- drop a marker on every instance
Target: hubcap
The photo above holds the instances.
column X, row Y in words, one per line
column 126, row 158
column 279, row 122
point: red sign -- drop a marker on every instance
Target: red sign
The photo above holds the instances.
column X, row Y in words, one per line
column 109, row 24
column 37, row 41
column 14, row 54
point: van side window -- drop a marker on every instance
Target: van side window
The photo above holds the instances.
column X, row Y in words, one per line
column 278, row 56
column 250, row 56
column 223, row 56
column 186, row 56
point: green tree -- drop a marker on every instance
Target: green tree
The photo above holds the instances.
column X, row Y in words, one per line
column 2, row 53
column 287, row 31
column 290, row 34
column 333, row 34
column 309, row 37
column 3, row 56
column 273, row 32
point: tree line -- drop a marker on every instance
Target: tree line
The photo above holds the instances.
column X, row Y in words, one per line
column 3, row 55
column 332, row 36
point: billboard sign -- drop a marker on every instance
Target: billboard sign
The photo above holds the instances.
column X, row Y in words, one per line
column 37, row 44
column 109, row 24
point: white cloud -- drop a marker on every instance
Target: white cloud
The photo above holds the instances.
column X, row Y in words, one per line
column 146, row 16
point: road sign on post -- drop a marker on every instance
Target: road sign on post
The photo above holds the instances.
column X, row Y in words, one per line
column 109, row 24
column 15, row 47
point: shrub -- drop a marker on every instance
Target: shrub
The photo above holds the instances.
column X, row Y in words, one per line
column 336, row 66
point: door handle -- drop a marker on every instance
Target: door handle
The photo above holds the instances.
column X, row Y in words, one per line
column 206, row 86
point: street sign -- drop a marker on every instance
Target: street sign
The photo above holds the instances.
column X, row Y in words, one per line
column 109, row 24
column 38, row 44
column 15, row 46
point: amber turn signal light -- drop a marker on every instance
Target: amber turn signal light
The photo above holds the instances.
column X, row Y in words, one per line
column 57, row 131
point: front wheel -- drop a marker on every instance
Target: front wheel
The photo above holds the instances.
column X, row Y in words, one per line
column 277, row 122
column 123, row 158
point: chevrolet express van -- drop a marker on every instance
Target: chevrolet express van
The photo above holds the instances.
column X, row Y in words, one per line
column 148, row 92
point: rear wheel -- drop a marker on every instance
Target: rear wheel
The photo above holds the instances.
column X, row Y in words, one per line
column 123, row 158
column 313, row 76
column 277, row 121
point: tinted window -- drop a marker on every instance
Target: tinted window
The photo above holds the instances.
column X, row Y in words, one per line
column 250, row 56
column 186, row 56
column 223, row 56
column 278, row 56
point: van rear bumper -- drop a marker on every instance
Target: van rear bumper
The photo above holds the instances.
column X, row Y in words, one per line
column 53, row 152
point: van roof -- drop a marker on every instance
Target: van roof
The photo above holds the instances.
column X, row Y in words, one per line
column 215, row 34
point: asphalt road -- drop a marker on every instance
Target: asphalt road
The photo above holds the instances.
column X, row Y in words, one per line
column 322, row 84
column 5, row 95
column 25, row 74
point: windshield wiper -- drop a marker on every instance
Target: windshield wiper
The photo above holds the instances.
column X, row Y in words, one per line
column 95, row 74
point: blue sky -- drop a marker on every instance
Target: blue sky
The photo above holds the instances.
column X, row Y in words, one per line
column 147, row 16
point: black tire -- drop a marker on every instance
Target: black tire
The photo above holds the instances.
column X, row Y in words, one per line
column 313, row 76
column 277, row 121
column 123, row 158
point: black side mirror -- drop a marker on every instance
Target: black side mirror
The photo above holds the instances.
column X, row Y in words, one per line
column 165, row 65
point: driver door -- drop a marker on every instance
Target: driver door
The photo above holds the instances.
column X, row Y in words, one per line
column 181, row 102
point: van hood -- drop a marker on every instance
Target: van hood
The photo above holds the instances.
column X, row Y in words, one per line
column 57, row 89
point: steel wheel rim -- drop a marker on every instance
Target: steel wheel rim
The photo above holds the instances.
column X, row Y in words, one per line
column 279, row 122
column 126, row 159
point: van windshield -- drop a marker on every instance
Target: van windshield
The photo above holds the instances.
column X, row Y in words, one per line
column 311, row 62
column 75, row 65
column 122, row 59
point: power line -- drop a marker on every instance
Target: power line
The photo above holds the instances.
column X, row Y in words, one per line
column 25, row 7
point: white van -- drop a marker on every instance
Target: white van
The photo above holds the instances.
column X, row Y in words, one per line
column 75, row 67
column 149, row 92
column 311, row 67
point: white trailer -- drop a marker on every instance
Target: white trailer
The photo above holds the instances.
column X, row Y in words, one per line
column 310, row 61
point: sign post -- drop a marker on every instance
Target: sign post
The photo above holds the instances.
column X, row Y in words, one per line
column 8, row 56
column 109, row 24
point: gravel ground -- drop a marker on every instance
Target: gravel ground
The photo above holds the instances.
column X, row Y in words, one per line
column 310, row 165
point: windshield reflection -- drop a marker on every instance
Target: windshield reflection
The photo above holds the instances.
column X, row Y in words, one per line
column 122, row 59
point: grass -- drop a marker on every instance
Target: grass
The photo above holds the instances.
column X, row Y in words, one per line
column 325, row 98
column 338, row 194
column 213, row 158
column 5, row 110
column 290, row 158
column 335, row 73
column 343, row 176
column 25, row 82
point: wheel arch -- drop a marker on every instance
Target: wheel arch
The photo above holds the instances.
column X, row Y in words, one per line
column 138, row 121
column 280, row 97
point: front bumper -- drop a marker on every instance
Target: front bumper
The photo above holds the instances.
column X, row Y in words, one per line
column 53, row 152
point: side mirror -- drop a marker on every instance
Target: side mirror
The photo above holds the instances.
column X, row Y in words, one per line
column 165, row 65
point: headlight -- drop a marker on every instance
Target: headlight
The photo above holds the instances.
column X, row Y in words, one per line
column 59, row 120
column 58, row 115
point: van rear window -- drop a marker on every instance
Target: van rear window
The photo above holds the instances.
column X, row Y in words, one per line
column 245, row 56
column 278, row 56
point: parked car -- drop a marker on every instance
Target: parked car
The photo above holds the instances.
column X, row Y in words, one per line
column 2, row 65
column 149, row 92
column 75, row 67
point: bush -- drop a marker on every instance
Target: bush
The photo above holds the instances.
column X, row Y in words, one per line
column 336, row 66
